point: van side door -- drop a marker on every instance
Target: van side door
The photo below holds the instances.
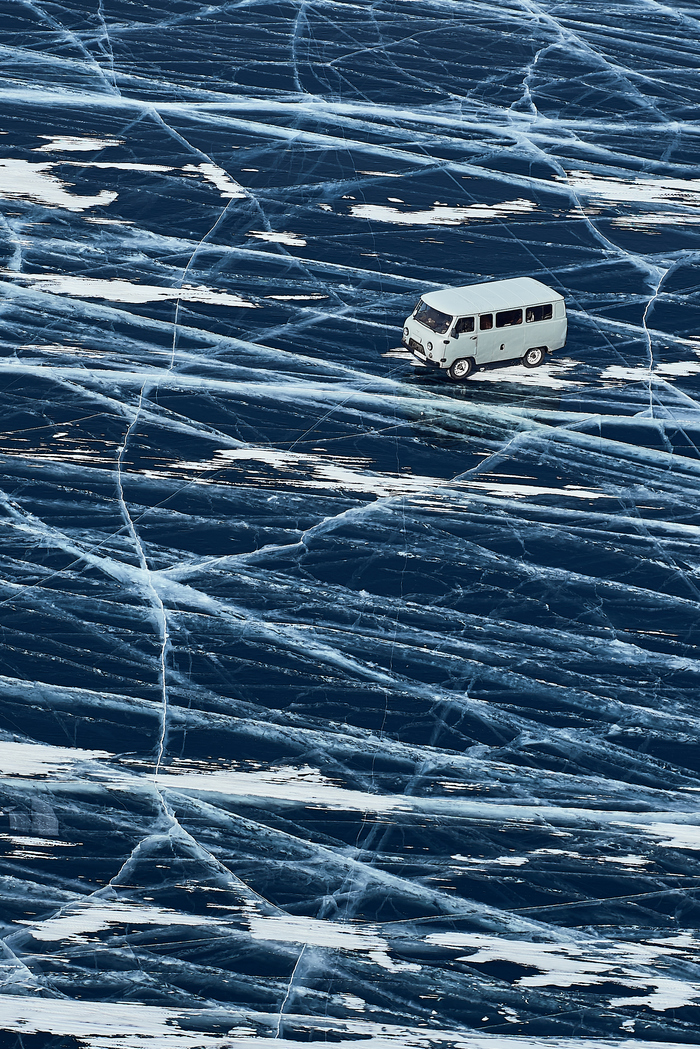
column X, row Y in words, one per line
column 509, row 332
column 487, row 340
column 463, row 340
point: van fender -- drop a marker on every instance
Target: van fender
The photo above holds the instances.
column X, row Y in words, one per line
column 461, row 369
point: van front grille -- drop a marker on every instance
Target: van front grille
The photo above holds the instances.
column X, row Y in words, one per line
column 414, row 345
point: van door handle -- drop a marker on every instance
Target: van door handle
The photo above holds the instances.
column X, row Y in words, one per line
column 473, row 338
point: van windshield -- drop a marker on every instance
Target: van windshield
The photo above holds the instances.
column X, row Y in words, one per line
column 432, row 318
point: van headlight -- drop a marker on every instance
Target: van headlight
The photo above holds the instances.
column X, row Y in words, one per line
column 429, row 347
column 405, row 333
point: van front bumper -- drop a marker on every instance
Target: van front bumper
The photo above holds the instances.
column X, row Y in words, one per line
column 419, row 355
column 425, row 362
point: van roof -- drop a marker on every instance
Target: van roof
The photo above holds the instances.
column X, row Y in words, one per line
column 493, row 295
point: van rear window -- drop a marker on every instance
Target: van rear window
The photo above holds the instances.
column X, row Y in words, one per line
column 434, row 319
column 505, row 318
column 539, row 313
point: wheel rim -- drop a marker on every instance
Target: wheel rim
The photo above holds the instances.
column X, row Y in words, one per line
column 534, row 356
column 460, row 369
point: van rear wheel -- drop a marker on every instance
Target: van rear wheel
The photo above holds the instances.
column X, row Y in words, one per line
column 534, row 357
column 461, row 369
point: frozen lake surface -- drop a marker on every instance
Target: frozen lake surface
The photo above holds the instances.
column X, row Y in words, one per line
column 339, row 702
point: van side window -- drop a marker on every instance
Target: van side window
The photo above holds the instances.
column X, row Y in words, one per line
column 462, row 325
column 539, row 313
column 486, row 321
column 508, row 317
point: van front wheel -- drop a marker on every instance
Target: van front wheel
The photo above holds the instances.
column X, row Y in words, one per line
column 461, row 369
column 534, row 357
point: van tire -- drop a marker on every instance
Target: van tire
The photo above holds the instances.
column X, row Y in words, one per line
column 461, row 369
column 534, row 357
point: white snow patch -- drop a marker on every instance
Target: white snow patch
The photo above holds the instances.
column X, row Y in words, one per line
column 652, row 219
column 117, row 165
column 675, row 836
column 667, row 994
column 317, row 473
column 103, row 1025
column 523, row 491
column 634, row 190
column 38, row 843
column 497, row 861
column 37, row 759
column 292, row 239
column 583, row 964
column 510, row 1014
column 324, row 473
column 315, row 932
column 623, row 861
column 302, row 786
column 97, row 221
column 382, row 174
column 551, row 375
column 672, row 370
column 296, row 298
column 83, row 920
column 350, row 1001
column 75, row 144
column 441, row 214
column 555, row 852
column 227, row 187
column 125, row 291
column 106, row 1025
column 626, row 861
column 22, row 180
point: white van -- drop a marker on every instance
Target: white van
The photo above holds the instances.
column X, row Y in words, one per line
column 459, row 329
